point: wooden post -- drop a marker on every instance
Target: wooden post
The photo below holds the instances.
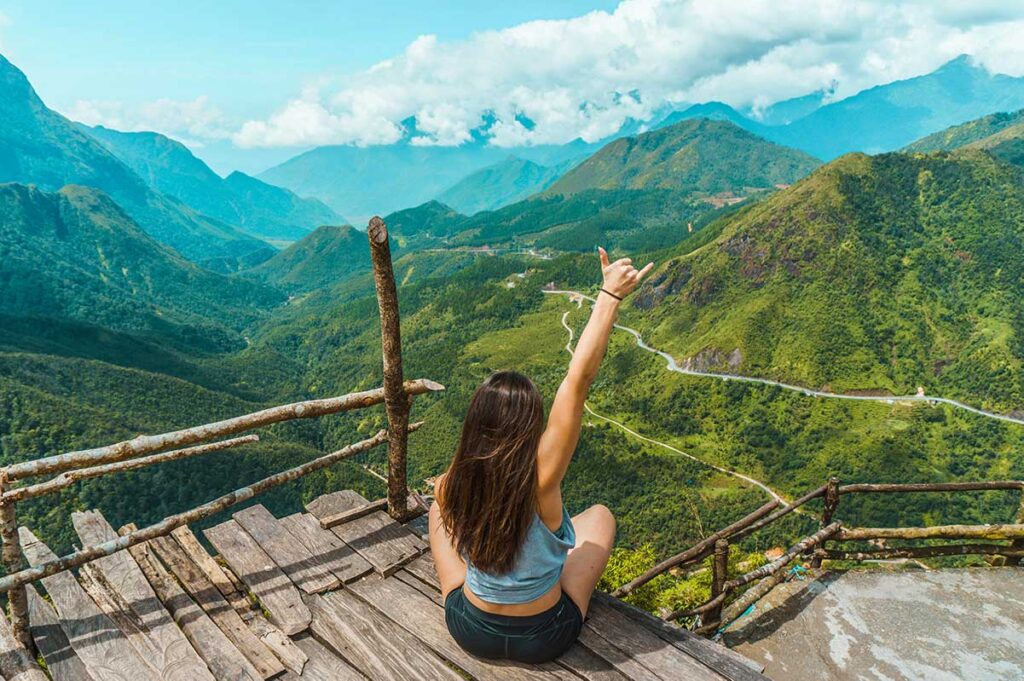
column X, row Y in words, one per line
column 395, row 400
column 10, row 553
column 1018, row 543
column 719, row 575
column 831, row 501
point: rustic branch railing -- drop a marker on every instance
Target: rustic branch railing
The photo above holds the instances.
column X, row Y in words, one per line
column 714, row 612
column 147, row 450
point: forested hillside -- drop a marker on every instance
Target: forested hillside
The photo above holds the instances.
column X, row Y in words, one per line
column 39, row 146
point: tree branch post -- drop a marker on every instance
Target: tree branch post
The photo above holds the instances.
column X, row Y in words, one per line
column 831, row 502
column 395, row 401
column 10, row 553
column 1018, row 543
column 719, row 575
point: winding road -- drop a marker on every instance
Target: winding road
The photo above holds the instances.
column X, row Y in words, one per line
column 756, row 483
column 672, row 365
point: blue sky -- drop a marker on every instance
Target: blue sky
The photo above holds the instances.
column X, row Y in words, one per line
column 247, row 84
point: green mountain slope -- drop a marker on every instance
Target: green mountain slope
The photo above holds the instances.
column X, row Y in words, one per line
column 967, row 133
column 75, row 255
column 326, row 257
column 498, row 185
column 39, row 146
column 258, row 208
column 877, row 273
column 698, row 156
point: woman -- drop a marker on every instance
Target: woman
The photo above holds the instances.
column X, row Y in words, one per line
column 516, row 572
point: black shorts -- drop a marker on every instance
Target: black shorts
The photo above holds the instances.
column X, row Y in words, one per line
column 523, row 638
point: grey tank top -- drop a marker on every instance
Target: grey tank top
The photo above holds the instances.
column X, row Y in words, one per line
column 537, row 568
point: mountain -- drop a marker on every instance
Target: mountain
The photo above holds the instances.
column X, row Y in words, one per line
column 789, row 110
column 967, row 133
column 39, row 146
column 889, row 117
column 493, row 187
column 76, row 255
column 874, row 273
column 715, row 111
column 698, row 156
column 325, row 257
column 255, row 207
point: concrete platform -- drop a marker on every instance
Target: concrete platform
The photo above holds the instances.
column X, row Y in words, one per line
column 941, row 625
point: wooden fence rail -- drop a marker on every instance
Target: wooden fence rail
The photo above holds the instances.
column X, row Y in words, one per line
column 718, row 611
column 147, row 450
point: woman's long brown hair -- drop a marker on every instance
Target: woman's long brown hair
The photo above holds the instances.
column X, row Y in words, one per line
column 489, row 493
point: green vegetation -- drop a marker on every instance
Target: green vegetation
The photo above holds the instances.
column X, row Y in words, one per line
column 967, row 133
column 39, row 146
column 493, row 187
column 698, row 157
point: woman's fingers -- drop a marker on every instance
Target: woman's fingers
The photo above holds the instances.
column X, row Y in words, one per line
column 604, row 256
column 643, row 273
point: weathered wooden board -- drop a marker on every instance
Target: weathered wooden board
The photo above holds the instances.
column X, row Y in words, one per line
column 376, row 537
column 371, row 642
column 335, row 554
column 222, row 657
column 586, row 663
column 254, row 567
column 61, row 660
column 423, row 568
column 290, row 554
column 323, row 664
column 166, row 647
column 16, row 663
column 100, row 645
column 206, row 595
column 728, row 663
column 619, row 659
column 290, row 655
column 214, row 572
column 424, row 619
column 623, row 635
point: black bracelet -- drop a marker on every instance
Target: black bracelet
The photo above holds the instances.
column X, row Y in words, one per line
column 618, row 298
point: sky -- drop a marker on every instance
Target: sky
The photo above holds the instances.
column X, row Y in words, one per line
column 248, row 84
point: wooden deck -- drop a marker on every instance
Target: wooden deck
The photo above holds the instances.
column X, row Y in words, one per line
column 286, row 599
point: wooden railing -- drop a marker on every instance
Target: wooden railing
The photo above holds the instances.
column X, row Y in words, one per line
column 147, row 450
column 712, row 614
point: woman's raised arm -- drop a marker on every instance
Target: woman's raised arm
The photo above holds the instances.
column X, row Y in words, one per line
column 558, row 442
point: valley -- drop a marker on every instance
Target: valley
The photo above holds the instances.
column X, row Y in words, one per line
column 141, row 292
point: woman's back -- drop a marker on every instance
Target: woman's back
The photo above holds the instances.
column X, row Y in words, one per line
column 536, row 571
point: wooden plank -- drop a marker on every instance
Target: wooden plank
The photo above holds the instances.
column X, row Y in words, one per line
column 227, row 619
column 585, row 663
column 385, row 544
column 424, row 619
column 623, row 635
column 728, row 663
column 16, row 663
column 61, row 660
column 423, row 568
column 214, row 572
column 620, row 660
column 291, row 555
column 222, row 657
column 100, row 645
column 371, row 642
column 353, row 513
column 335, row 554
column 323, row 664
column 165, row 646
column 290, row 655
column 254, row 567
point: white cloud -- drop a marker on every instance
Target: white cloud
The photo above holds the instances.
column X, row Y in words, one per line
column 190, row 121
column 585, row 76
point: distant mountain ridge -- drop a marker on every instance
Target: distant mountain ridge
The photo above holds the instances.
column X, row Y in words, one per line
column 505, row 182
column 258, row 208
column 39, row 146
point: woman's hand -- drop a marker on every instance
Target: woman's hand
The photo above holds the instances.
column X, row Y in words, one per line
column 620, row 277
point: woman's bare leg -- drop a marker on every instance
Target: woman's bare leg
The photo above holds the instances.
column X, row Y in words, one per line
column 595, row 535
column 451, row 570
